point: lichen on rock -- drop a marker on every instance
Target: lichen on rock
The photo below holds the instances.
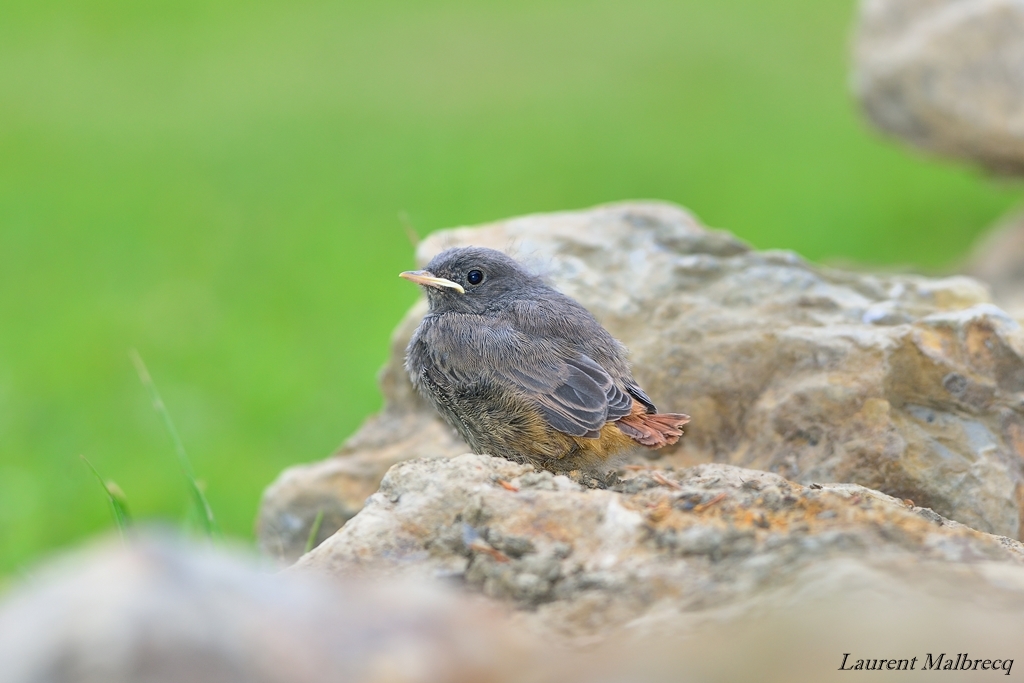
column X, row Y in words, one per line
column 585, row 561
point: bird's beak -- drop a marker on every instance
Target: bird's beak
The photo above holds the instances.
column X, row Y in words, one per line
column 425, row 277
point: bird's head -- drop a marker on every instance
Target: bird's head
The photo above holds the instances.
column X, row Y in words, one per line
column 472, row 280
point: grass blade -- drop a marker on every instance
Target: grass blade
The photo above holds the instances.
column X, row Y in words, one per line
column 200, row 504
column 115, row 496
column 313, row 531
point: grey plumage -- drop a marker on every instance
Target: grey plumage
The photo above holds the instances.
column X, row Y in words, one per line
column 517, row 368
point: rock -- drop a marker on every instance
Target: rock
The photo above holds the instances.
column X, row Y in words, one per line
column 839, row 615
column 909, row 385
column 945, row 75
column 656, row 547
column 162, row 611
column 998, row 259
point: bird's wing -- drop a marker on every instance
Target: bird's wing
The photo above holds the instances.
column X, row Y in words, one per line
column 619, row 402
column 639, row 394
column 575, row 394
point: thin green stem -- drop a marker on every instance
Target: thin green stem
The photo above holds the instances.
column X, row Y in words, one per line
column 313, row 531
column 115, row 496
column 201, row 505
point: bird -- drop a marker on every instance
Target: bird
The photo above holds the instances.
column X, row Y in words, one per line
column 524, row 372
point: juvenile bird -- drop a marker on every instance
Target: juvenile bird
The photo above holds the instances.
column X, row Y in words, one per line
column 522, row 371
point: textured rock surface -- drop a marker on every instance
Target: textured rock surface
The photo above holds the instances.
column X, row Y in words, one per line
column 946, row 75
column 909, row 385
column 998, row 260
column 655, row 545
column 160, row 612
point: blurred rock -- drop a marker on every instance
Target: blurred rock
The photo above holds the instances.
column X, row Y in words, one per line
column 804, row 632
column 946, row 75
column 909, row 385
column 656, row 545
column 160, row 611
column 998, row 259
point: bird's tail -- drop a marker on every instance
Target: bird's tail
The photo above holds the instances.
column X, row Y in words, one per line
column 652, row 430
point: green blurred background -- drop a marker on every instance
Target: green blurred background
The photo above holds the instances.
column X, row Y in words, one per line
column 217, row 184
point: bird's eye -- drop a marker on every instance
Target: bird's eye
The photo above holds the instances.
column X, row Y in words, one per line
column 474, row 277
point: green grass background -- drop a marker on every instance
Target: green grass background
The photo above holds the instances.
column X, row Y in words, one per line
column 217, row 183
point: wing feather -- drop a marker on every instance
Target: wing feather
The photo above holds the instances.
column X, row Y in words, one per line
column 575, row 395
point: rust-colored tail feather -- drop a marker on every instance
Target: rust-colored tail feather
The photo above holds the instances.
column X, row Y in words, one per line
column 653, row 431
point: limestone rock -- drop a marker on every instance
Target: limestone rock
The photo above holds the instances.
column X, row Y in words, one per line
column 946, row 75
column 998, row 260
column 909, row 385
column 653, row 547
column 164, row 612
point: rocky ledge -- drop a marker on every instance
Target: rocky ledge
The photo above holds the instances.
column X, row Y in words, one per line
column 584, row 560
column 908, row 385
